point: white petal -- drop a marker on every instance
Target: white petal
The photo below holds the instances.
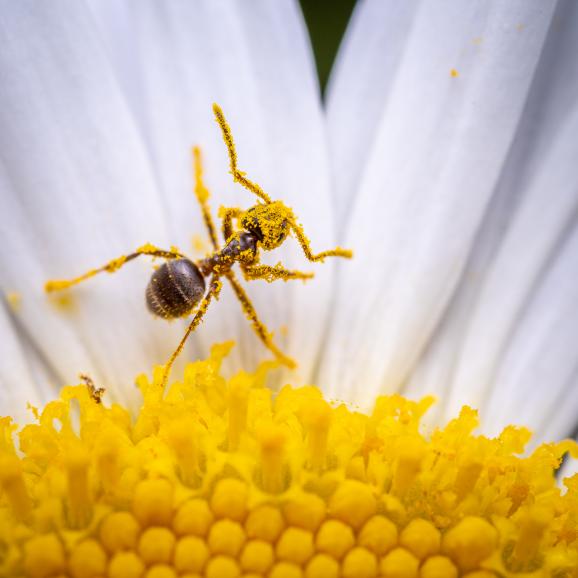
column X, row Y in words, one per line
column 76, row 191
column 439, row 149
column 560, row 419
column 523, row 258
column 540, row 168
column 537, row 370
column 17, row 385
column 368, row 62
column 257, row 64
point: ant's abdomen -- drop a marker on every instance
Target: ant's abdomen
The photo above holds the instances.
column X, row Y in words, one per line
column 174, row 289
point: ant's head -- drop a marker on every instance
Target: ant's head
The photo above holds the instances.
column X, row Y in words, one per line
column 270, row 223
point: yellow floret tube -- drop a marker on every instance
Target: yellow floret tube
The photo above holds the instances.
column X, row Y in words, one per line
column 218, row 478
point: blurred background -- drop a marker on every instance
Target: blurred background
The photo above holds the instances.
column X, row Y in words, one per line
column 326, row 20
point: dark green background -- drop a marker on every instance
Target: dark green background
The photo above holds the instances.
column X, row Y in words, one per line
column 326, row 20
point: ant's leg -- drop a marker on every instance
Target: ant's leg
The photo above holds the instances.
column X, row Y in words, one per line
column 214, row 290
column 202, row 194
column 257, row 325
column 306, row 246
column 270, row 274
column 227, row 215
column 238, row 176
column 112, row 266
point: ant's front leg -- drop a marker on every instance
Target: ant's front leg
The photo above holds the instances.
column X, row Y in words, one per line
column 272, row 273
column 227, row 214
column 306, row 246
column 112, row 266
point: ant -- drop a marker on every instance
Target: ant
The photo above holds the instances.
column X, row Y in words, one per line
column 177, row 288
column 94, row 392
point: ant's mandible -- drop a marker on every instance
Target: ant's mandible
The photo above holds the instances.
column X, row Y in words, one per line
column 178, row 289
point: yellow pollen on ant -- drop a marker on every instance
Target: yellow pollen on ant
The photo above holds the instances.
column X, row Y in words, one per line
column 177, row 288
column 215, row 477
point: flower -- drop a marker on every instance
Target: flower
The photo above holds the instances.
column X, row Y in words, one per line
column 217, row 478
column 445, row 160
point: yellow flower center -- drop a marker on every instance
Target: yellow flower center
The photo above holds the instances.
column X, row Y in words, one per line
column 222, row 479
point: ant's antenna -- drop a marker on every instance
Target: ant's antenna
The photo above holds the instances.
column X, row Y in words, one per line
column 238, row 176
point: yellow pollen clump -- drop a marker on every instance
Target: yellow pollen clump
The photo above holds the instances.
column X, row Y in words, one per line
column 125, row 565
column 286, row 570
column 119, row 531
column 265, row 522
column 305, row 510
column 322, row 566
column 229, row 499
column 295, row 545
column 257, row 556
column 470, row 541
column 421, row 538
column 153, row 502
column 353, row 503
column 191, row 554
column 193, row 517
column 156, row 545
column 219, row 478
column 378, row 535
column 438, row 567
column 359, row 563
column 87, row 559
column 226, row 537
column 335, row 538
column 399, row 563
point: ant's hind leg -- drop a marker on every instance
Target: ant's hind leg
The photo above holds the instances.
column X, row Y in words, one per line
column 111, row 267
column 214, row 290
column 306, row 246
column 257, row 325
column 202, row 194
column 270, row 274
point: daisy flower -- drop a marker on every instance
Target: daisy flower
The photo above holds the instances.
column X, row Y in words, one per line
column 444, row 156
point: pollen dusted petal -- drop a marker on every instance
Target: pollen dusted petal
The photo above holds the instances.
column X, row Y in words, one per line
column 381, row 500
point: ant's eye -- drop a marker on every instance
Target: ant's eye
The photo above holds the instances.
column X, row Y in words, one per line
column 253, row 226
column 251, row 223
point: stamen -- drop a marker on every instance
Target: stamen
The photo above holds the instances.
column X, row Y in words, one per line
column 12, row 484
column 238, row 406
column 217, row 478
column 317, row 421
column 184, row 442
column 272, row 441
column 79, row 499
